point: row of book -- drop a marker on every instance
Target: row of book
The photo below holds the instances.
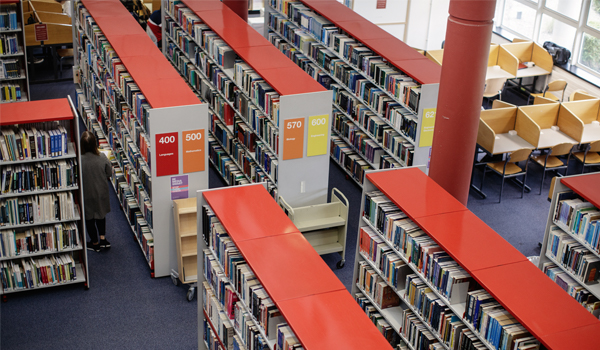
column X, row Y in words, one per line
column 356, row 57
column 29, row 273
column 380, row 322
column 348, row 159
column 227, row 268
column 8, row 17
column 210, row 338
column 10, row 68
column 361, row 142
column 220, row 323
column 225, row 165
column 53, row 175
column 103, row 51
column 569, row 285
column 393, row 235
column 9, row 44
column 580, row 218
column 49, row 140
column 495, row 324
column 38, row 239
column 38, row 209
column 10, row 92
column 567, row 251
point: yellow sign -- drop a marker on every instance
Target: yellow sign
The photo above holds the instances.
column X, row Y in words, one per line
column 318, row 127
column 426, row 138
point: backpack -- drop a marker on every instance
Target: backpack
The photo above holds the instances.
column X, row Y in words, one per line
column 560, row 55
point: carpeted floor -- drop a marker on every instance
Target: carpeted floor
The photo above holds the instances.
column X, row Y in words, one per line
column 126, row 309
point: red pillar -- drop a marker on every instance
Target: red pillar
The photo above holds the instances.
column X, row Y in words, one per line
column 466, row 52
column 240, row 7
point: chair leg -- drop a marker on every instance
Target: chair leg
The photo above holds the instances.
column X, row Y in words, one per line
column 483, row 178
column 501, row 188
column 543, row 178
column 524, row 180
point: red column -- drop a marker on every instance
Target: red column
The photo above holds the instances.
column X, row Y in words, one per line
column 466, row 52
column 240, row 7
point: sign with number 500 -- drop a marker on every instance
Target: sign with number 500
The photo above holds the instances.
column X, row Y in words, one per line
column 193, row 151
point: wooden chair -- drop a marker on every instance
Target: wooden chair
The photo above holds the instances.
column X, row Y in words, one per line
column 559, row 85
column 63, row 54
column 550, row 161
column 590, row 156
column 509, row 168
column 493, row 89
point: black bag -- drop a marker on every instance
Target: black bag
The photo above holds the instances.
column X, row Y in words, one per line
column 560, row 55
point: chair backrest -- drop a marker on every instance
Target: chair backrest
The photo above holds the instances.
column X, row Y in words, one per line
column 561, row 149
column 557, row 85
column 519, row 155
column 595, row 146
column 493, row 87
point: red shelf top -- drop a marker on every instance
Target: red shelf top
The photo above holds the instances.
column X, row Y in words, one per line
column 538, row 303
column 332, row 321
column 35, row 111
column 584, row 338
column 462, row 235
column 415, row 193
column 288, row 266
column 247, row 219
column 9, row 1
column 381, row 42
column 587, row 186
column 157, row 79
column 289, row 79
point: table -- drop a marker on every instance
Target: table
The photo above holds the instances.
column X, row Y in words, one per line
column 550, row 138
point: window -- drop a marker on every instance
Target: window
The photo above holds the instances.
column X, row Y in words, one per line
column 573, row 24
column 517, row 16
column 569, row 8
column 559, row 32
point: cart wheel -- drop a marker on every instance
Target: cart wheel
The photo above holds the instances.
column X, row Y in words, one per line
column 190, row 293
column 174, row 279
column 341, row 263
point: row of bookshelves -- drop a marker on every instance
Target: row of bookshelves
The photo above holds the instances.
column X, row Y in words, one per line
column 351, row 162
column 18, row 144
column 220, row 111
column 262, row 147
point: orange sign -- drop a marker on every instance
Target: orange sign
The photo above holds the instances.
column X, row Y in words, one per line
column 193, row 150
column 293, row 138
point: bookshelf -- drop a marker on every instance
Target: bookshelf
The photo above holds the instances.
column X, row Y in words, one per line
column 40, row 163
column 435, row 234
column 14, row 82
column 384, row 92
column 245, row 223
column 269, row 120
column 145, row 114
column 572, row 235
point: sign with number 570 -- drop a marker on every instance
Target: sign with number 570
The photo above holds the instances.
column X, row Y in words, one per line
column 293, row 138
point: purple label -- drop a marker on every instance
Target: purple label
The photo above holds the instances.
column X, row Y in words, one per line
column 179, row 187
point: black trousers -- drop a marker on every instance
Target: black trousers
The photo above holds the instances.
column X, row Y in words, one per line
column 96, row 227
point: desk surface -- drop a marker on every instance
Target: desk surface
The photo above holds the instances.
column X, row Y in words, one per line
column 531, row 72
column 506, row 143
column 550, row 138
column 495, row 72
column 591, row 133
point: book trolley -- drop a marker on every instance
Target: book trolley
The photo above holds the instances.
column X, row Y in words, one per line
column 384, row 92
column 14, row 84
column 269, row 120
column 42, row 236
column 263, row 285
column 570, row 253
column 445, row 280
column 142, row 110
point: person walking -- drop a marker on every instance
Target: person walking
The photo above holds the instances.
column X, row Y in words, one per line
column 96, row 172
